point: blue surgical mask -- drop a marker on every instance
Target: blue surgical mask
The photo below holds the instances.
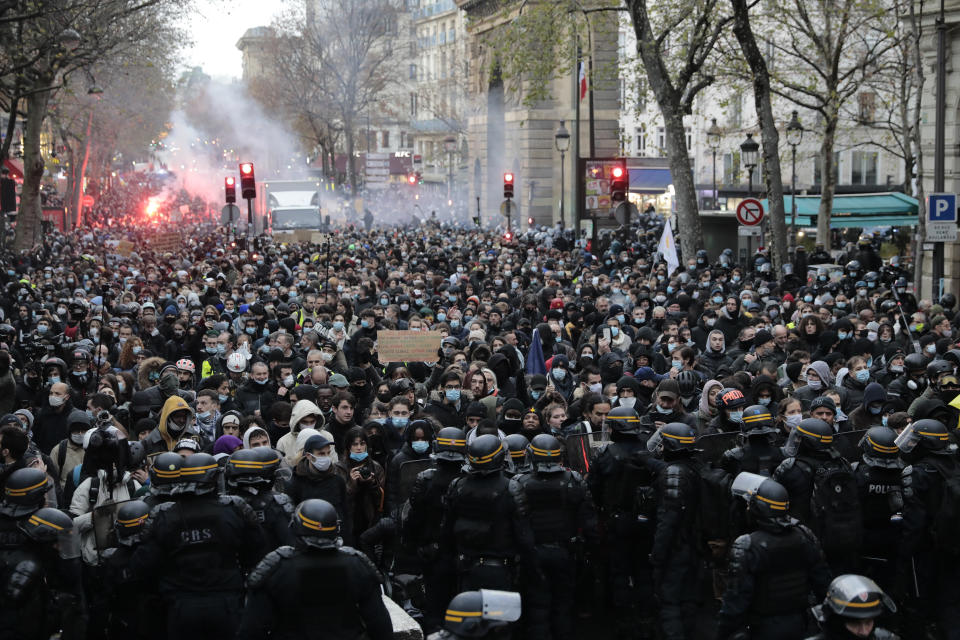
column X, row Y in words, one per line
column 875, row 410
column 614, row 332
column 251, row 331
column 764, row 401
column 358, row 457
column 211, row 350
column 441, row 317
column 53, row 379
column 842, row 335
column 221, row 349
column 869, row 362
column 664, row 410
column 338, row 325
column 621, row 319
column 400, row 423
column 556, row 338
column 453, row 395
column 883, row 421
column 669, row 289
column 365, row 324
column 454, row 324
column 736, row 416
column 536, row 394
column 420, row 446
column 808, row 298
column 717, row 299
column 203, row 415
column 676, row 364
column 559, row 374
column 137, row 350
column 862, row 375
column 223, row 397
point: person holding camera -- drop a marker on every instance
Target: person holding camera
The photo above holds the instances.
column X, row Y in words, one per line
column 365, row 481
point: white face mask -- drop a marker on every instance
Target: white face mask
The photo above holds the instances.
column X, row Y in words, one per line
column 56, row 401
column 628, row 402
column 326, row 357
column 793, row 420
column 76, row 438
column 322, row 463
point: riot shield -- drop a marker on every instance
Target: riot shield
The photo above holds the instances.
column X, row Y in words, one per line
column 847, row 444
column 581, row 449
column 408, row 477
column 711, row 447
column 104, row 518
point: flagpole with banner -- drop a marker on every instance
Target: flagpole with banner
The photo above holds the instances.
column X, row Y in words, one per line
column 668, row 248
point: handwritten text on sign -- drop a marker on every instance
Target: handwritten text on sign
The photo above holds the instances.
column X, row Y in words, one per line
column 402, row 346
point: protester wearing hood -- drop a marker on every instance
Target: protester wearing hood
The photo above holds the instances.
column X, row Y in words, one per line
column 68, row 453
column 707, row 408
column 51, row 423
column 872, row 410
column 730, row 319
column 177, row 421
column 561, row 378
column 417, row 446
column 305, row 415
column 820, row 380
column 714, row 358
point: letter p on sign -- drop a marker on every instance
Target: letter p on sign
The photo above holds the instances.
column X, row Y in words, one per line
column 942, row 207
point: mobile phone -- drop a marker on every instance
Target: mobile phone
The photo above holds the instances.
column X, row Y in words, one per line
column 606, row 334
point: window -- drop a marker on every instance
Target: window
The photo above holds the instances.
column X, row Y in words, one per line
column 413, row 104
column 736, row 109
column 689, row 136
column 403, row 139
column 413, row 72
column 443, row 65
column 642, row 140
column 770, row 56
column 864, row 167
column 868, row 107
column 661, row 141
column 642, row 95
column 818, row 171
column 731, row 168
column 385, row 139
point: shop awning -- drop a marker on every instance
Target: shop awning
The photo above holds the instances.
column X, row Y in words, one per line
column 16, row 168
column 857, row 210
column 649, row 180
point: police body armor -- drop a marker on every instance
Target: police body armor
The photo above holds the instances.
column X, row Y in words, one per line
column 552, row 499
column 756, row 455
column 273, row 511
column 421, row 526
column 628, row 490
column 782, row 582
column 477, row 502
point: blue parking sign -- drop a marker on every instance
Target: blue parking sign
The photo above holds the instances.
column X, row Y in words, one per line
column 942, row 207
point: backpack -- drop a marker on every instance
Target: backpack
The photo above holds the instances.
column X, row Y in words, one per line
column 835, row 507
column 946, row 521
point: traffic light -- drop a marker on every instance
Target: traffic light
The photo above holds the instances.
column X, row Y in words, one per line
column 508, row 236
column 508, row 185
column 419, row 176
column 618, row 183
column 230, row 186
column 476, row 220
column 412, row 179
column 248, row 183
column 530, row 221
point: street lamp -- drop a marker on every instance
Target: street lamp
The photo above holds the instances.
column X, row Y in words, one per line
column 794, row 137
column 450, row 145
column 749, row 150
column 713, row 141
column 561, row 139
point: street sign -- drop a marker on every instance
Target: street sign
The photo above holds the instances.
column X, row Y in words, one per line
column 749, row 232
column 228, row 213
column 514, row 208
column 750, row 212
column 941, row 223
column 87, row 200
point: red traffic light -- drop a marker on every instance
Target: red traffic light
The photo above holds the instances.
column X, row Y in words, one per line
column 230, row 181
column 508, row 236
column 508, row 178
column 617, row 172
column 618, row 183
column 508, row 185
column 412, row 178
column 230, row 189
column 248, row 183
column 246, row 168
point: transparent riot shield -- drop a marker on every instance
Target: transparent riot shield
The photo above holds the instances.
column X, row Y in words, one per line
column 712, row 446
column 408, row 477
column 847, row 444
column 104, row 533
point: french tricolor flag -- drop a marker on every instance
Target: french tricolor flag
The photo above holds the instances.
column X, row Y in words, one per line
column 583, row 80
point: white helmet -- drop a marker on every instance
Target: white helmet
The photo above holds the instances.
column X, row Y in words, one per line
column 236, row 362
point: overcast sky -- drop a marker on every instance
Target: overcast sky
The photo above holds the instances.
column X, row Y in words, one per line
column 215, row 29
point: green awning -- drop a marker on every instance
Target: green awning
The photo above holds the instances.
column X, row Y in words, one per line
column 857, row 210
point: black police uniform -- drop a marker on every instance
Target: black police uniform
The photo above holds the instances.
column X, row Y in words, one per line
column 773, row 570
column 198, row 548
column 303, row 593
column 881, row 499
column 561, row 509
column 757, row 455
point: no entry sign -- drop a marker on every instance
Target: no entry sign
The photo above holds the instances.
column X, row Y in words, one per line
column 750, row 212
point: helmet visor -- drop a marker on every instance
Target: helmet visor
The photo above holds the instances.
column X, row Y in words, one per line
column 746, row 484
column 502, row 606
column 853, row 596
column 907, row 440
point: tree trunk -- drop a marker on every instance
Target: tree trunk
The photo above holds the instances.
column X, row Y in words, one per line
column 685, row 192
column 31, row 213
column 78, row 196
column 828, row 181
column 770, row 137
column 351, row 163
column 915, row 138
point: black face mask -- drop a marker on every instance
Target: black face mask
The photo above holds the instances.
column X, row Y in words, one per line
column 746, row 344
column 384, row 397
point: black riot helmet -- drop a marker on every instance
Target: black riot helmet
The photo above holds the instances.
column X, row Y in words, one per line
column 770, row 503
column 546, row 453
column 198, row 475
column 486, row 454
column 517, row 446
column 246, row 467
column 928, row 435
column 673, row 439
column 24, row 492
column 451, row 444
column 481, row 614
column 624, row 420
column 165, row 473
column 812, row 434
column 316, row 524
column 702, row 259
column 131, row 516
column 852, row 597
column 46, row 525
column 878, row 448
column 757, row 421
column 853, row 269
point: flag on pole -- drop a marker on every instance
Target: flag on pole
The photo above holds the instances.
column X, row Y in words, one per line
column 535, row 361
column 668, row 248
column 583, row 80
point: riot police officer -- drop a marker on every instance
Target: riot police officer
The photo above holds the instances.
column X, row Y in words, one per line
column 758, row 453
column 24, row 492
column 198, row 548
column 486, row 531
column 164, row 475
column 881, row 499
column 133, row 605
column 773, row 569
column 480, row 614
column 621, row 482
column 317, row 588
column 250, row 474
column 561, row 510
column 851, row 609
column 929, row 562
column 519, row 460
column 41, row 585
column 676, row 552
column 421, row 525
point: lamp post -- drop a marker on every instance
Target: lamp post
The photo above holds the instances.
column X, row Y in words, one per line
column 561, row 139
column 749, row 149
column 713, row 141
column 449, row 145
column 794, row 137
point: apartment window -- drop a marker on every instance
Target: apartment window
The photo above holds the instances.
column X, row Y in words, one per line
column 642, row 140
column 818, row 171
column 403, row 139
column 642, row 95
column 385, row 139
column 868, row 107
column 689, row 136
column 864, row 167
column 413, row 72
column 661, row 141
column 731, row 168
column 443, row 65
column 736, row 109
column 413, row 104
